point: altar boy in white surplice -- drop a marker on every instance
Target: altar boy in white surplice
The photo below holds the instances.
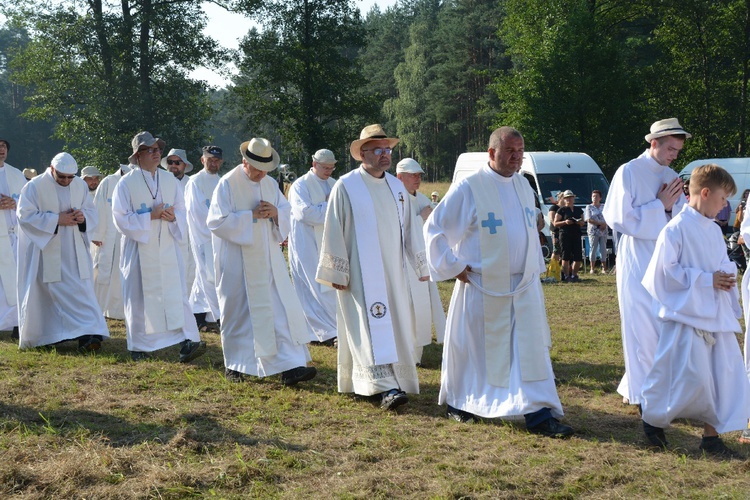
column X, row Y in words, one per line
column 496, row 351
column 263, row 328
column 56, row 300
column 698, row 371
column 149, row 210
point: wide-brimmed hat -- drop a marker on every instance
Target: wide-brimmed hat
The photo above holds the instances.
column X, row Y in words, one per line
column 373, row 132
column 662, row 128
column 213, row 152
column 90, row 172
column 324, row 156
column 259, row 153
column 29, row 173
column 434, row 193
column 568, row 193
column 182, row 155
column 144, row 139
column 408, row 166
column 65, row 164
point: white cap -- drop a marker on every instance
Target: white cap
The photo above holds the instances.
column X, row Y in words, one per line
column 65, row 164
column 408, row 166
column 324, row 156
column 90, row 172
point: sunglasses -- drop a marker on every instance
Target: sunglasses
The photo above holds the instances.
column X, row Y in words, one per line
column 379, row 151
column 64, row 177
column 150, row 150
column 174, row 162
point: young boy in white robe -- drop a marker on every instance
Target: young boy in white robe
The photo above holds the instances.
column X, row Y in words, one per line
column 698, row 370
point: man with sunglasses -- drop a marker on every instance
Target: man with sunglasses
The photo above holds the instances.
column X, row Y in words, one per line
column 55, row 285
column 149, row 210
column 368, row 236
column 12, row 182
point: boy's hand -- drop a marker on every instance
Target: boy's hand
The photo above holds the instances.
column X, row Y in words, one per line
column 724, row 281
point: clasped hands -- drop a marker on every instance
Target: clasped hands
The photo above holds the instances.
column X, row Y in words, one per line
column 265, row 210
column 70, row 218
column 7, row 203
column 165, row 214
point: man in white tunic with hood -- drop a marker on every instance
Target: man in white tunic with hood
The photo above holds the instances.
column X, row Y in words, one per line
column 12, row 182
column 496, row 361
column 368, row 237
column 149, row 210
column 56, row 300
column 642, row 198
column 263, row 328
column 428, row 309
column 203, row 299
column 106, row 250
column 309, row 199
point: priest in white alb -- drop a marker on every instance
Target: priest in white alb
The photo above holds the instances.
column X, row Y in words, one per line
column 176, row 162
column 203, row 299
column 642, row 197
column 56, row 300
column 149, row 210
column 106, row 241
column 12, row 182
column 428, row 308
column 496, row 361
column 309, row 199
column 263, row 328
column 368, row 237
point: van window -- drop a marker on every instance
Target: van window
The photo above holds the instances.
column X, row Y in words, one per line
column 580, row 184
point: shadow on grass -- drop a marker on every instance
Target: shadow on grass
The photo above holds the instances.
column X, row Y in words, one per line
column 604, row 377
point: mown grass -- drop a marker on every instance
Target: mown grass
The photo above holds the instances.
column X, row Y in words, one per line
column 74, row 426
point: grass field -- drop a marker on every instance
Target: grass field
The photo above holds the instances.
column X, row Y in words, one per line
column 101, row 426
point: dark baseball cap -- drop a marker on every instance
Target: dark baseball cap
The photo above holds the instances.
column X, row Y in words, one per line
column 215, row 151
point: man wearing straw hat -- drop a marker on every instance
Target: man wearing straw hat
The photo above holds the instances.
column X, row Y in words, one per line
column 496, row 361
column 368, row 236
column 56, row 300
column 644, row 195
column 309, row 199
column 263, row 328
column 149, row 210
column 176, row 162
column 12, row 182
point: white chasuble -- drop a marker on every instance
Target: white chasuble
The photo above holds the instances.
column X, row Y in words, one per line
column 52, row 251
column 256, row 273
column 499, row 296
column 163, row 304
column 12, row 182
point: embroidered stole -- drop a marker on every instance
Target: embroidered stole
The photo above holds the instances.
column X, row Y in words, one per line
column 52, row 251
column 317, row 196
column 529, row 316
column 365, row 224
column 160, row 272
column 206, row 184
column 258, row 275
column 16, row 181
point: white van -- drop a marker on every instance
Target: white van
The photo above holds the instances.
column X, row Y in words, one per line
column 738, row 168
column 548, row 173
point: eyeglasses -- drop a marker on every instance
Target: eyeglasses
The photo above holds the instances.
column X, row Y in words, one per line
column 174, row 162
column 150, row 150
column 379, row 151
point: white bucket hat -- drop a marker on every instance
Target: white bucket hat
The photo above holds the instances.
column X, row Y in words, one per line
column 90, row 172
column 370, row 133
column 670, row 126
column 408, row 166
column 260, row 154
column 324, row 156
column 180, row 153
column 65, row 164
column 144, row 139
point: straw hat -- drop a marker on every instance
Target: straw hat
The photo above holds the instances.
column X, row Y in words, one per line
column 370, row 133
column 670, row 126
column 260, row 154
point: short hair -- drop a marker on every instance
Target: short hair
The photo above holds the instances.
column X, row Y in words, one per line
column 660, row 140
column 498, row 136
column 711, row 176
column 597, row 192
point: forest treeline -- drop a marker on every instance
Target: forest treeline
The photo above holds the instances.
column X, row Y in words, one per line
column 572, row 75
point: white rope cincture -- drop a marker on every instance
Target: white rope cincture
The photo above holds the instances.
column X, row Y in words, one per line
column 474, row 282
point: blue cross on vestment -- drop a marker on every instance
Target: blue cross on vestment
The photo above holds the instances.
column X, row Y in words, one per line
column 491, row 222
column 530, row 216
column 15, row 196
column 109, row 200
column 143, row 210
column 208, row 203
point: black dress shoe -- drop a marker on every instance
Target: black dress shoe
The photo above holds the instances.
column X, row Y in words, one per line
column 234, row 376
column 390, row 400
column 14, row 333
column 461, row 416
column 552, row 428
column 139, row 356
column 655, row 435
column 714, row 446
column 299, row 374
column 191, row 350
column 89, row 343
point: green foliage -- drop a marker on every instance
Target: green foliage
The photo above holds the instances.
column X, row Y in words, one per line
column 300, row 77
